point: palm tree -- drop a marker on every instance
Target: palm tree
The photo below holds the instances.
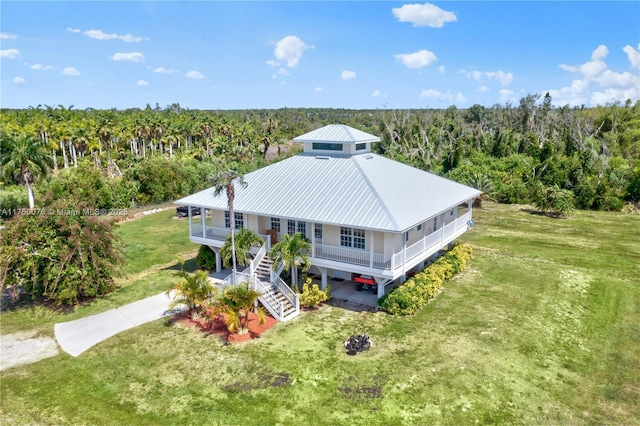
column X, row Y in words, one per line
column 293, row 251
column 225, row 180
column 26, row 157
column 192, row 290
column 244, row 240
column 237, row 302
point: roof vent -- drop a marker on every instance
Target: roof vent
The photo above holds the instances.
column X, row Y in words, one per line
column 322, row 157
column 368, row 157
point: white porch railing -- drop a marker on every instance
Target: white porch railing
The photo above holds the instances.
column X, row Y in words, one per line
column 209, row 232
column 378, row 261
column 348, row 255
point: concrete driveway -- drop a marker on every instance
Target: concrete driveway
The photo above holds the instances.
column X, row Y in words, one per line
column 75, row 337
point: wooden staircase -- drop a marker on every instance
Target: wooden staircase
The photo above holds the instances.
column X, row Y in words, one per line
column 277, row 297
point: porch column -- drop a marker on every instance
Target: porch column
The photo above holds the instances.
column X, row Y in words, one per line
column 190, row 230
column 380, row 289
column 203, row 219
column 313, row 239
column 404, row 253
column 371, row 247
column 216, row 251
column 393, row 251
column 470, row 208
column 323, row 282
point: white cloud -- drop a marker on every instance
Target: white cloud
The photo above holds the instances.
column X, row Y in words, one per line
column 424, row 15
column 447, row 96
column 418, row 59
column 441, row 69
column 348, row 75
column 41, row 67
column 601, row 52
column 194, row 74
column 142, row 83
column 483, row 89
column 505, row 78
column 576, row 94
column 376, row 93
column 163, row 70
column 610, row 78
column 593, row 68
column 8, row 36
column 568, row 68
column 318, row 89
column 460, row 98
column 19, row 80
column 70, row 71
column 273, row 63
column 100, row 35
column 10, row 53
column 507, row 95
column 613, row 86
column 633, row 54
column 283, row 71
column 132, row 56
column 614, row 94
column 290, row 49
column 73, row 30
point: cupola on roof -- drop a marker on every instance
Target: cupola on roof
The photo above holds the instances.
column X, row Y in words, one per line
column 337, row 133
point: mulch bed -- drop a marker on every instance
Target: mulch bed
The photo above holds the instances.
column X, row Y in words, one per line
column 218, row 327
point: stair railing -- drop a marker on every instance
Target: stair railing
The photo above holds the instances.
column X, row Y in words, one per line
column 273, row 305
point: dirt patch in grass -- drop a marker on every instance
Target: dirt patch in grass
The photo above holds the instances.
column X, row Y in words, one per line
column 25, row 348
column 217, row 326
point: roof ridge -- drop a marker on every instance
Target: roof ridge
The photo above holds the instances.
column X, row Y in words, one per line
column 375, row 192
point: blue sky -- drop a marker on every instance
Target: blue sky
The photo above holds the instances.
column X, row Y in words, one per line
column 340, row 54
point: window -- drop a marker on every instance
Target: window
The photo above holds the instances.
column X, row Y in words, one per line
column 361, row 146
column 435, row 223
column 318, row 231
column 239, row 222
column 406, row 237
column 291, row 227
column 451, row 212
column 419, row 227
column 327, row 146
column 275, row 224
column 350, row 237
column 302, row 228
column 358, row 239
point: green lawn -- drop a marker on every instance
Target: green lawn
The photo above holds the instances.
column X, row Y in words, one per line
column 542, row 328
column 150, row 245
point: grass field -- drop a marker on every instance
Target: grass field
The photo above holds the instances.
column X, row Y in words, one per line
column 150, row 246
column 542, row 328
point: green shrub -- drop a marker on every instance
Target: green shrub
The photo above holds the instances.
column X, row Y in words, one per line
column 61, row 256
column 312, row 296
column 206, row 258
column 11, row 198
column 422, row 287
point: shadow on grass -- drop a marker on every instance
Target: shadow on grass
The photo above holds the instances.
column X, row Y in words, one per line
column 189, row 266
column 546, row 214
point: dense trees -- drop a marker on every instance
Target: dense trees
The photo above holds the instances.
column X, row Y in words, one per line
column 161, row 154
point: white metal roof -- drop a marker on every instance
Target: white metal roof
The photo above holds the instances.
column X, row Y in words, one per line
column 337, row 133
column 361, row 191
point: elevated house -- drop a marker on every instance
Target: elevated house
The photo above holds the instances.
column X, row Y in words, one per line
column 364, row 214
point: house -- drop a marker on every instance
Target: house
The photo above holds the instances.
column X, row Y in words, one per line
column 364, row 214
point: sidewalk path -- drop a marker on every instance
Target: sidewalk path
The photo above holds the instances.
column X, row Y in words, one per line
column 75, row 337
